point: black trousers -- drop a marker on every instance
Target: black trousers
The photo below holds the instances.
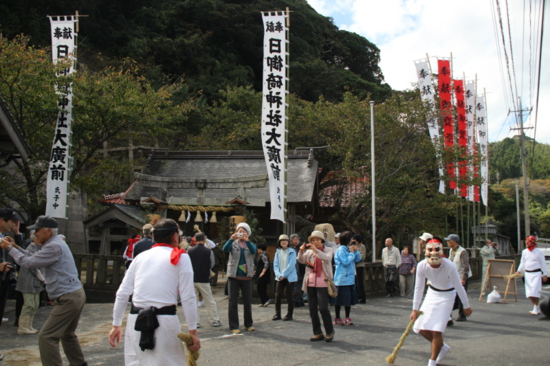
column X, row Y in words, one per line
column 261, row 286
column 4, row 286
column 281, row 286
column 233, row 310
column 390, row 275
column 214, row 279
column 458, row 303
column 298, row 293
column 318, row 300
column 360, row 283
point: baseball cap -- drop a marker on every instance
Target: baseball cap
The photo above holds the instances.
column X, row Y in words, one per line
column 426, row 236
column 44, row 221
column 453, row 237
column 9, row 214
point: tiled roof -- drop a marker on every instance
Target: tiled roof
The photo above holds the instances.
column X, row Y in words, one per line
column 216, row 177
column 343, row 194
column 117, row 198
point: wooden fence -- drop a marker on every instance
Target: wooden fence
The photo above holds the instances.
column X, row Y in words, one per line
column 100, row 275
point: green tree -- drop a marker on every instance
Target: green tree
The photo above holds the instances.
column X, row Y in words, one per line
column 108, row 105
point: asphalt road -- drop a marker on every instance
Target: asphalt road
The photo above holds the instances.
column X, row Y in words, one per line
column 495, row 334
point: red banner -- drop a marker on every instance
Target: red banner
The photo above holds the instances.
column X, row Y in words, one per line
column 446, row 106
column 462, row 133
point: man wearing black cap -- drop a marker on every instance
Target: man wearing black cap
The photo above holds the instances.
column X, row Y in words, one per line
column 8, row 220
column 56, row 262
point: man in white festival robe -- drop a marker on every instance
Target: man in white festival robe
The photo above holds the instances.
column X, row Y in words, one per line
column 155, row 278
column 444, row 285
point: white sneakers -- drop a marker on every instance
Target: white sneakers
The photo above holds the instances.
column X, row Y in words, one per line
column 442, row 353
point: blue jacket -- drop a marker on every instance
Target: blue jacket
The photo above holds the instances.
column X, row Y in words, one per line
column 290, row 271
column 345, row 266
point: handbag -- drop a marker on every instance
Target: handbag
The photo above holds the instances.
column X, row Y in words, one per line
column 331, row 287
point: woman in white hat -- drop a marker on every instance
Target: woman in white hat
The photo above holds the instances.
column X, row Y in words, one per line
column 318, row 261
column 240, row 270
column 284, row 266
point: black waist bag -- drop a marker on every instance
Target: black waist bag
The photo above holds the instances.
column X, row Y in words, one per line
column 146, row 323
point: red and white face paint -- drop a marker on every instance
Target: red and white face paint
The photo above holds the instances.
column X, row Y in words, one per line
column 434, row 252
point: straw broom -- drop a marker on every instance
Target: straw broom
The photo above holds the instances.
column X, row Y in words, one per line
column 391, row 358
column 192, row 356
column 515, row 275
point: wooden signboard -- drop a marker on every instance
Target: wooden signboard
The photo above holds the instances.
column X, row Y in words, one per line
column 496, row 270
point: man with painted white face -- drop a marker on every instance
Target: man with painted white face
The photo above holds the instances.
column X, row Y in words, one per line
column 444, row 285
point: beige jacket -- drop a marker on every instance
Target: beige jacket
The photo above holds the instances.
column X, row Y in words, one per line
column 309, row 256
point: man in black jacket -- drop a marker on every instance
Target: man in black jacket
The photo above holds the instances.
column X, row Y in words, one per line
column 203, row 260
column 146, row 243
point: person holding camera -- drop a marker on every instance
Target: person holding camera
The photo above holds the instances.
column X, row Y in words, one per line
column 284, row 266
column 345, row 258
column 318, row 261
column 9, row 222
column 487, row 252
column 240, row 270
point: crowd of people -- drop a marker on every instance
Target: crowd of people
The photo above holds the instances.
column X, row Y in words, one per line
column 165, row 268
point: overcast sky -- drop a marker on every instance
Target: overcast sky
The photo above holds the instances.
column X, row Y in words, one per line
column 407, row 30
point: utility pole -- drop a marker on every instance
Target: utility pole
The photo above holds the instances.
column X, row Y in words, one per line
column 518, row 213
column 373, row 181
column 524, row 168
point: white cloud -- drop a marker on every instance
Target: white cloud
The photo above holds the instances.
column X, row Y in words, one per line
column 406, row 30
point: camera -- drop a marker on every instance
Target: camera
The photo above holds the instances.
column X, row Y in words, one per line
column 240, row 235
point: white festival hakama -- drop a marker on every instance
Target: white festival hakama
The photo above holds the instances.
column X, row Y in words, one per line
column 168, row 351
column 532, row 260
column 533, row 284
column 154, row 281
column 437, row 305
column 436, row 308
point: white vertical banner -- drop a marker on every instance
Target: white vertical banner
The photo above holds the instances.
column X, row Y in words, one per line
column 63, row 47
column 481, row 124
column 470, row 99
column 427, row 93
column 274, row 108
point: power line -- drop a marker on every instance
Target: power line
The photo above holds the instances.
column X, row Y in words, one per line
column 506, row 53
column 499, row 55
column 539, row 72
column 511, row 49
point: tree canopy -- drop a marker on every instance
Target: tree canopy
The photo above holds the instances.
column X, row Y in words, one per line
column 211, row 43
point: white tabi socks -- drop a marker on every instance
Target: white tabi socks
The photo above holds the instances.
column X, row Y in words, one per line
column 535, row 311
column 442, row 353
column 432, row 363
